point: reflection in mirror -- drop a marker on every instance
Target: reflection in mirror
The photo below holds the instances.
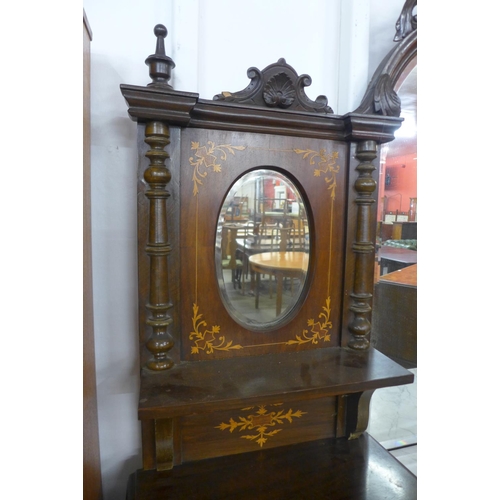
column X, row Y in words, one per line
column 262, row 249
column 397, row 202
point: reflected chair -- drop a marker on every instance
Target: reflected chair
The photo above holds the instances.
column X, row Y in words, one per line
column 297, row 235
column 229, row 258
column 243, row 235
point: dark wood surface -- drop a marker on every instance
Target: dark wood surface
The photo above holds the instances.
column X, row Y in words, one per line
column 403, row 255
column 325, row 469
column 186, row 108
column 395, row 316
column 394, row 258
column 404, row 277
column 237, row 382
column 231, row 432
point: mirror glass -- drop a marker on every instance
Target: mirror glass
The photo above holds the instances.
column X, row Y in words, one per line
column 262, row 249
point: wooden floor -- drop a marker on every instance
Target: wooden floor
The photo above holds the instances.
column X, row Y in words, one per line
column 325, row 469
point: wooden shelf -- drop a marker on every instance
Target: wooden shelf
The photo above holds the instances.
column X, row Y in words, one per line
column 324, row 469
column 231, row 383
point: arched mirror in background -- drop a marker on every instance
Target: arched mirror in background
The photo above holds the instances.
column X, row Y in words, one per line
column 397, row 200
column 393, row 92
column 394, row 306
column 394, row 309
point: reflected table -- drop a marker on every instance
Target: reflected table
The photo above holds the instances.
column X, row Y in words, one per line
column 394, row 258
column 280, row 265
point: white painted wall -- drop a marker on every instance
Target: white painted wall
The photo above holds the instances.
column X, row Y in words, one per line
column 213, row 43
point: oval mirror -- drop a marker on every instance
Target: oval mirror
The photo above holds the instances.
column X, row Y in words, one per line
column 262, row 250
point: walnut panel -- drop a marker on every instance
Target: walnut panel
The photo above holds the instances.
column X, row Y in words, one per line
column 256, row 428
column 210, row 162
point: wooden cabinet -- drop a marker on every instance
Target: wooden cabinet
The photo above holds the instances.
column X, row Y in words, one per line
column 404, row 231
column 394, row 329
column 227, row 403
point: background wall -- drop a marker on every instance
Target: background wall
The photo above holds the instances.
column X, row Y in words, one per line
column 339, row 43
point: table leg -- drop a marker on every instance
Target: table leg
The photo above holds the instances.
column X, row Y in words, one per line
column 257, row 290
column 279, row 292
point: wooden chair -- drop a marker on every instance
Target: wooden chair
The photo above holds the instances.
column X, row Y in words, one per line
column 230, row 259
column 245, row 235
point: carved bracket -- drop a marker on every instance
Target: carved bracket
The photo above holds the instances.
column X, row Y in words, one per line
column 356, row 410
column 277, row 86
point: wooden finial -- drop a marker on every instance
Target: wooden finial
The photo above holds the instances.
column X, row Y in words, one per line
column 160, row 65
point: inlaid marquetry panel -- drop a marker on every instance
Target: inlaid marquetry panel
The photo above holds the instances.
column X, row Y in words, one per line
column 210, row 163
column 256, row 427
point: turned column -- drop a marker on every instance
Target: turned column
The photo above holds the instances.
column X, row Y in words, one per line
column 363, row 248
column 158, row 249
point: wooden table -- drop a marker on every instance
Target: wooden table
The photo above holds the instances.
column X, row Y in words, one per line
column 403, row 277
column 280, row 265
column 394, row 258
column 248, row 247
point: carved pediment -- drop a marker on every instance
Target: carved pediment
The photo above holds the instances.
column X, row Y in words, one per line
column 380, row 97
column 407, row 22
column 277, row 86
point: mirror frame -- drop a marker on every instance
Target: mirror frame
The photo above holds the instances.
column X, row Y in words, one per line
column 208, row 145
column 213, row 332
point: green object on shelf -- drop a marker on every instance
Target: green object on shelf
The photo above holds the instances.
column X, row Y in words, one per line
column 409, row 244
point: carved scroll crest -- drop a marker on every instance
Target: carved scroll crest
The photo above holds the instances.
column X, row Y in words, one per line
column 277, row 85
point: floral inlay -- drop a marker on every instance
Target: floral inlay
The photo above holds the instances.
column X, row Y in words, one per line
column 205, row 160
column 208, row 158
column 318, row 330
column 205, row 340
column 262, row 421
column 326, row 165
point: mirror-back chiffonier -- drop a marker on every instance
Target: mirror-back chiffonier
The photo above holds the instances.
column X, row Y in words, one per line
column 256, row 232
